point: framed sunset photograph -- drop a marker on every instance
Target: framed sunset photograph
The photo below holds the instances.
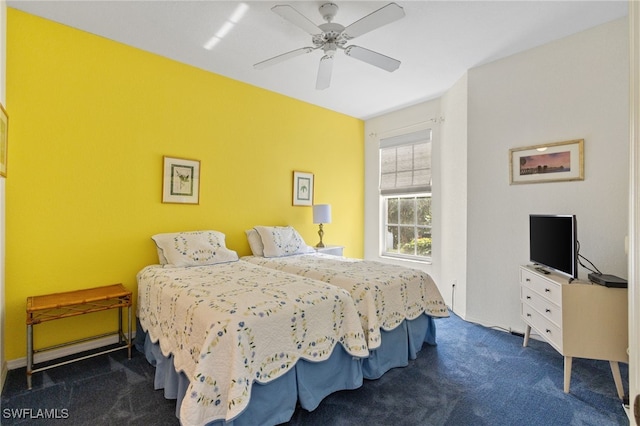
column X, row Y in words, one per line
column 553, row 162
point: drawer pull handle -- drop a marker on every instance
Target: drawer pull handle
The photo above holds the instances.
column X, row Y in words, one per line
column 546, row 290
column 527, row 280
column 529, row 315
column 528, row 297
column 547, row 311
column 548, row 331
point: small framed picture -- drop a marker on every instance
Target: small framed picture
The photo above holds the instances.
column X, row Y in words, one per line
column 553, row 162
column 4, row 128
column 180, row 180
column 302, row 189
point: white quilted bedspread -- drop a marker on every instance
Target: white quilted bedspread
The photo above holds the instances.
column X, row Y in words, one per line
column 231, row 324
column 385, row 295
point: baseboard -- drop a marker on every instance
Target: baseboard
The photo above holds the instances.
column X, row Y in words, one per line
column 628, row 411
column 62, row 352
column 506, row 329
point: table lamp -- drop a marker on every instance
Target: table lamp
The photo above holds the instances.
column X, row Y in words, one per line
column 321, row 214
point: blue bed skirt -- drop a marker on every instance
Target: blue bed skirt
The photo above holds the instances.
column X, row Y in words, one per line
column 308, row 382
column 399, row 346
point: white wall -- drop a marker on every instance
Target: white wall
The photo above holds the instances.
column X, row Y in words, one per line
column 453, row 215
column 574, row 88
column 634, row 211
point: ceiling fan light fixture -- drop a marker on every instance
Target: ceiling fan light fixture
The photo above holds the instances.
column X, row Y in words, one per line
column 330, row 49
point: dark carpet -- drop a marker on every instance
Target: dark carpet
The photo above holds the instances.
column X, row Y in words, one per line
column 475, row 376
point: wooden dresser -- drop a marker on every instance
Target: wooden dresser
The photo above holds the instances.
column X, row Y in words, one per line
column 579, row 319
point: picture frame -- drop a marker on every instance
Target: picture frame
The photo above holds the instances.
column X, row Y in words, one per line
column 302, row 188
column 552, row 162
column 180, row 180
column 4, row 132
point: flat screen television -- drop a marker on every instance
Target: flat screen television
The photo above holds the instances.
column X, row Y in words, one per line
column 553, row 243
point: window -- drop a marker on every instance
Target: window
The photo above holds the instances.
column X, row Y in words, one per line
column 408, row 226
column 405, row 190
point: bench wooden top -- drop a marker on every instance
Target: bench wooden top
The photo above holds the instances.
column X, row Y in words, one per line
column 77, row 297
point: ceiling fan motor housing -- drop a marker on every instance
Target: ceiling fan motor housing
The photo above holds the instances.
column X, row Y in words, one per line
column 331, row 33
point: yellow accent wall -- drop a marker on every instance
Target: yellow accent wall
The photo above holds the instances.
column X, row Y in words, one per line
column 90, row 120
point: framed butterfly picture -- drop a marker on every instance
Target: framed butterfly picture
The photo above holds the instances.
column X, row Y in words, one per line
column 180, row 180
column 302, row 189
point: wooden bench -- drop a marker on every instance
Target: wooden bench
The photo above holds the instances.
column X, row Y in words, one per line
column 55, row 306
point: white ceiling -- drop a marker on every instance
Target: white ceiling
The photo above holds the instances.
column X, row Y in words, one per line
column 437, row 41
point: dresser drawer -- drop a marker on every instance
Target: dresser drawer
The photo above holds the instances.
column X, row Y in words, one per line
column 544, row 306
column 547, row 330
column 546, row 288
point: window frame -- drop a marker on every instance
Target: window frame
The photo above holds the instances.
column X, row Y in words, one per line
column 416, row 227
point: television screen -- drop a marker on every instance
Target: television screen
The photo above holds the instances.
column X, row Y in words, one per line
column 553, row 243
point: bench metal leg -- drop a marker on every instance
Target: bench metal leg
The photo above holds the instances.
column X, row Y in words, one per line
column 129, row 329
column 120, row 333
column 29, row 354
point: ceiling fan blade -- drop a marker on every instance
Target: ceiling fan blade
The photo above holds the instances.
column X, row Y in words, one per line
column 374, row 58
column 280, row 58
column 296, row 18
column 383, row 16
column 324, row 72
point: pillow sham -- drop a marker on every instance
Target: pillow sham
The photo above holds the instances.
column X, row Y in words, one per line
column 195, row 248
column 280, row 241
column 161, row 259
column 255, row 242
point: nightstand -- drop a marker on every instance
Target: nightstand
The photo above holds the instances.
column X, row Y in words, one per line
column 333, row 250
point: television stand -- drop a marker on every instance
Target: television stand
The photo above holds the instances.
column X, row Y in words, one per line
column 578, row 319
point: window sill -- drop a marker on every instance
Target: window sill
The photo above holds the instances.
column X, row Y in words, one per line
column 425, row 261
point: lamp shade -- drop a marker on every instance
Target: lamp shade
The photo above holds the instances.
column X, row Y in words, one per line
column 322, row 213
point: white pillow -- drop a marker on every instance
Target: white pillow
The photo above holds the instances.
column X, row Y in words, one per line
column 280, row 241
column 194, row 248
column 255, row 242
column 161, row 259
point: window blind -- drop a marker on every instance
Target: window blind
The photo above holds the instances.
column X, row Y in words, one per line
column 405, row 163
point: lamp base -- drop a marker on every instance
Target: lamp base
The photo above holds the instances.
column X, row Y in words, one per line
column 321, row 234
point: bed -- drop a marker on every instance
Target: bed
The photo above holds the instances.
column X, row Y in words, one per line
column 396, row 305
column 237, row 343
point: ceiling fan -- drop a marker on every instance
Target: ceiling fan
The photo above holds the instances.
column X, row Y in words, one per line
column 332, row 36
